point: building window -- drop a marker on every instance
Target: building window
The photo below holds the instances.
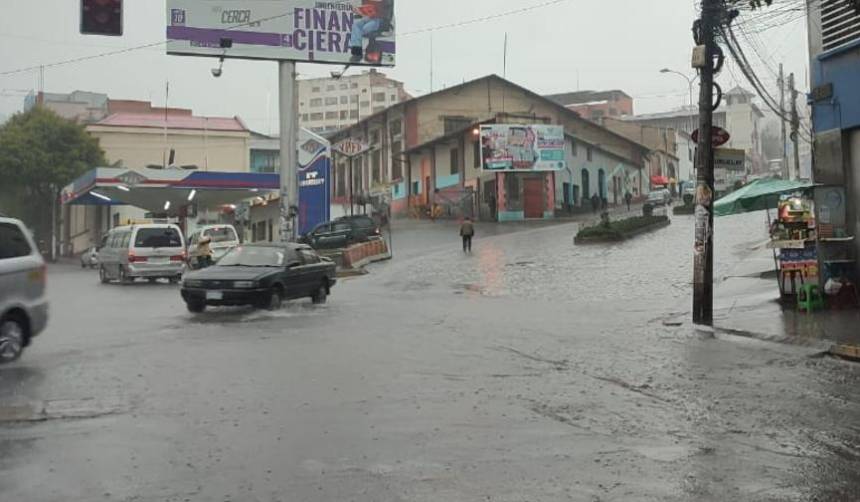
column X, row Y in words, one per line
column 589, row 154
column 376, row 166
column 455, row 161
column 573, row 148
column 316, row 102
column 304, row 117
column 344, row 100
column 379, row 96
column 416, row 187
column 395, row 127
column 393, row 98
column 353, row 85
column 317, row 116
column 365, row 104
column 454, row 124
column 315, row 89
column 343, row 87
column 329, row 87
column 353, row 114
column 330, row 115
column 344, row 114
column 396, row 161
column 330, row 101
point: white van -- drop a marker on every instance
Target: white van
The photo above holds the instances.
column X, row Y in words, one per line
column 224, row 238
column 23, row 305
column 150, row 251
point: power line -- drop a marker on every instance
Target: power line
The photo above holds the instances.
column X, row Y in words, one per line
column 257, row 21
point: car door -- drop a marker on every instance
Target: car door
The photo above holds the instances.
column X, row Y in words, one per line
column 293, row 274
column 320, row 236
column 21, row 274
column 311, row 271
column 341, row 234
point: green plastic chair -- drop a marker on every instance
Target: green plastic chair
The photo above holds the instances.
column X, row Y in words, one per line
column 809, row 298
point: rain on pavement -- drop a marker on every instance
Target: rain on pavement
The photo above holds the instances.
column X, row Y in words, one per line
column 532, row 370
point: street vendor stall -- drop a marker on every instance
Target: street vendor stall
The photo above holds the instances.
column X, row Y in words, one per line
column 808, row 235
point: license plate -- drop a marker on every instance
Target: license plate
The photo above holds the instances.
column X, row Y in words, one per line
column 159, row 260
column 214, row 295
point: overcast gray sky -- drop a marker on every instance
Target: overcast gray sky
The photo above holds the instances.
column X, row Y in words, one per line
column 586, row 44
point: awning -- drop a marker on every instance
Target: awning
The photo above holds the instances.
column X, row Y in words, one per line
column 152, row 189
column 659, row 180
column 757, row 196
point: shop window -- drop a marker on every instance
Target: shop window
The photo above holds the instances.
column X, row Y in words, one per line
column 512, row 187
column 589, row 154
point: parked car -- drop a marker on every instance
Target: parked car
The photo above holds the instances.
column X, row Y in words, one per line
column 659, row 197
column 150, row 251
column 23, row 305
column 329, row 235
column 90, row 258
column 263, row 275
column 224, row 238
column 342, row 232
column 363, row 227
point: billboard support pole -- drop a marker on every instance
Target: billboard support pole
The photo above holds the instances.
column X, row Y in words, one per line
column 351, row 188
column 289, row 129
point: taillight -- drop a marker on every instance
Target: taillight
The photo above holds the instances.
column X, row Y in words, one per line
column 136, row 259
column 179, row 257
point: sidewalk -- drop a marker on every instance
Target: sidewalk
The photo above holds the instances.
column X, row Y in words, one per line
column 747, row 303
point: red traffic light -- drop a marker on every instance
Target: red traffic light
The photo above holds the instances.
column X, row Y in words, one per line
column 101, row 17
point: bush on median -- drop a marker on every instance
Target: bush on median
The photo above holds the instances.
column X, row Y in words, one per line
column 619, row 230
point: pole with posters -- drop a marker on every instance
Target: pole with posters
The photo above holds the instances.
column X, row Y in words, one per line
column 703, row 264
column 289, row 128
column 351, row 189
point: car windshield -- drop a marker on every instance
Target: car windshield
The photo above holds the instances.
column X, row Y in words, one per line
column 254, row 256
column 221, row 234
column 164, row 237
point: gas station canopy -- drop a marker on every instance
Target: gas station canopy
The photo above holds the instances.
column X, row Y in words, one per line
column 153, row 189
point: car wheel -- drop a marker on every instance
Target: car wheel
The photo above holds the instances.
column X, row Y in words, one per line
column 175, row 279
column 152, row 280
column 83, row 265
column 11, row 340
column 320, row 296
column 195, row 307
column 103, row 277
column 124, row 279
column 276, row 299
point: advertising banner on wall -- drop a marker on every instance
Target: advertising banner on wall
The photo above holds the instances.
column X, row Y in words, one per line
column 314, row 173
column 534, row 147
column 357, row 32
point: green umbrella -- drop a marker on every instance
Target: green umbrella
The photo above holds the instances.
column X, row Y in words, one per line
column 757, row 196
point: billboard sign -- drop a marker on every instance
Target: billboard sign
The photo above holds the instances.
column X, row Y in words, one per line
column 350, row 147
column 314, row 172
column 730, row 159
column 535, row 147
column 357, row 32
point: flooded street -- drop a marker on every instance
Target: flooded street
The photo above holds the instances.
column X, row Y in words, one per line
column 532, row 370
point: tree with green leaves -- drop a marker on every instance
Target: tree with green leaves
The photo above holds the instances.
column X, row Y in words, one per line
column 40, row 153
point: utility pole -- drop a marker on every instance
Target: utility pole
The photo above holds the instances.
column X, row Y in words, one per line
column 785, row 169
column 703, row 265
column 795, row 127
column 288, row 97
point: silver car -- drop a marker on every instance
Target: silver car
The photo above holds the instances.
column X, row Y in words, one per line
column 23, row 305
column 151, row 251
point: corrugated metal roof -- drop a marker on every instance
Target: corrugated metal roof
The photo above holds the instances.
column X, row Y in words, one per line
column 173, row 122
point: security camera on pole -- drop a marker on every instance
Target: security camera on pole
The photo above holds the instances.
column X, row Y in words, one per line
column 287, row 32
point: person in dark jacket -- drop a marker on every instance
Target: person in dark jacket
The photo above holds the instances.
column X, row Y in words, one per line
column 628, row 198
column 595, row 203
column 374, row 16
column 467, row 231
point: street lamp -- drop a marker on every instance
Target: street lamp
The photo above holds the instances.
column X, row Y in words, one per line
column 690, row 82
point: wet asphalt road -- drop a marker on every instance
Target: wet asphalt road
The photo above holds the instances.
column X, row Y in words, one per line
column 533, row 370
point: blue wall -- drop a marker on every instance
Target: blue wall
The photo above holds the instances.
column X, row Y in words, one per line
column 840, row 67
column 447, row 181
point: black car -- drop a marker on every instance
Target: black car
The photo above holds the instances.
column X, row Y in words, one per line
column 263, row 275
column 342, row 232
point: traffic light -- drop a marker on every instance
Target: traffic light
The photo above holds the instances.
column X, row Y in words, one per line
column 101, row 17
